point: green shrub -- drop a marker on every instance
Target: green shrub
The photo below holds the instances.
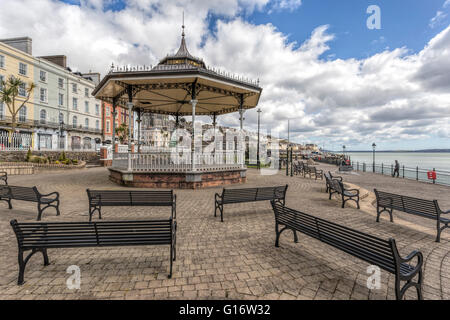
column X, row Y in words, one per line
column 29, row 155
column 62, row 157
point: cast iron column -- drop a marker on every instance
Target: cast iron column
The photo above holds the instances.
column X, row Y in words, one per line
column 130, row 110
column 193, row 103
column 114, row 113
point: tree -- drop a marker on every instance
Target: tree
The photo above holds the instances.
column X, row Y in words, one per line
column 121, row 132
column 9, row 95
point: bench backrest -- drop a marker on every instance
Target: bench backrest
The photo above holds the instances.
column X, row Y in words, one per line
column 407, row 204
column 366, row 247
column 254, row 194
column 4, row 176
column 337, row 186
column 130, row 197
column 92, row 234
column 23, row 193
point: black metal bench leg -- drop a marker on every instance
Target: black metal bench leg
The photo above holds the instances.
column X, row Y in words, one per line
column 39, row 212
column 171, row 261
column 44, row 253
column 221, row 212
column 295, row 236
column 23, row 262
column 439, row 230
column 278, row 233
column 22, row 265
column 8, row 201
column 400, row 291
column 57, row 209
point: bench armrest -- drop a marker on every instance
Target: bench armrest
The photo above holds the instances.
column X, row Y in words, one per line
column 411, row 256
column 357, row 191
column 338, row 177
column 217, row 196
column 446, row 212
column 51, row 194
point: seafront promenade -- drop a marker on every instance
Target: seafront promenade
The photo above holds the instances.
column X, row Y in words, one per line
column 235, row 259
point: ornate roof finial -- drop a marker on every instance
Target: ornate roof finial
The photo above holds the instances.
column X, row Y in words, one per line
column 182, row 33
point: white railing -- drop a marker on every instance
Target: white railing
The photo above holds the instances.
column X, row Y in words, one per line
column 15, row 141
column 122, row 148
column 169, row 162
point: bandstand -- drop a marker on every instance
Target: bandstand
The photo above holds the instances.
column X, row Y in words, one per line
column 180, row 85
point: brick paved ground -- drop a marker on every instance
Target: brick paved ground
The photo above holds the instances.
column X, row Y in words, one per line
column 235, row 259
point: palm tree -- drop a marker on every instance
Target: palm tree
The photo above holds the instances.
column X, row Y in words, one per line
column 10, row 92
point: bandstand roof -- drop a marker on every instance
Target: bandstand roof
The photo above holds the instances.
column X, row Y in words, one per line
column 168, row 87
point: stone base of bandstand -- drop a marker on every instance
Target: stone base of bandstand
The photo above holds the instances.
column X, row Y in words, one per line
column 177, row 180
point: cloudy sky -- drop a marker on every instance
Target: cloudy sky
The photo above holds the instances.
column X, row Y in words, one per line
column 319, row 65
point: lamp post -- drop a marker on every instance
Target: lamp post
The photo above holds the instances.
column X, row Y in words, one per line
column 343, row 151
column 258, row 164
column 61, row 128
column 373, row 163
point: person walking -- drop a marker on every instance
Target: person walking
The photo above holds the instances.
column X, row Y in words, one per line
column 396, row 169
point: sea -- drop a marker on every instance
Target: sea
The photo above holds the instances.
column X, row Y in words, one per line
column 423, row 160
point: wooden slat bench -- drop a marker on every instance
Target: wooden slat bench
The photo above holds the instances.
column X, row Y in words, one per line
column 230, row 196
column 4, row 177
column 116, row 198
column 44, row 201
column 314, row 171
column 374, row 250
column 298, row 167
column 337, row 186
column 39, row 236
column 328, row 177
column 388, row 202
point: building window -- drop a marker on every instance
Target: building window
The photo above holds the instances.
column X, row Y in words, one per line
column 61, row 83
column 60, row 99
column 2, row 61
column 75, row 103
column 97, row 109
column 74, row 121
column 43, row 116
column 23, row 90
column 108, row 112
column 23, row 114
column 43, row 76
column 74, row 88
column 86, row 92
column 108, row 124
column 22, row 69
column 97, row 124
column 76, row 143
column 87, row 143
column 43, row 95
column 61, row 117
column 2, row 78
column 2, row 110
column 45, row 141
column 86, row 107
column 86, row 123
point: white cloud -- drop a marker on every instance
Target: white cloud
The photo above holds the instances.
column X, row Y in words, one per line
column 437, row 19
column 446, row 4
column 393, row 95
column 290, row 5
